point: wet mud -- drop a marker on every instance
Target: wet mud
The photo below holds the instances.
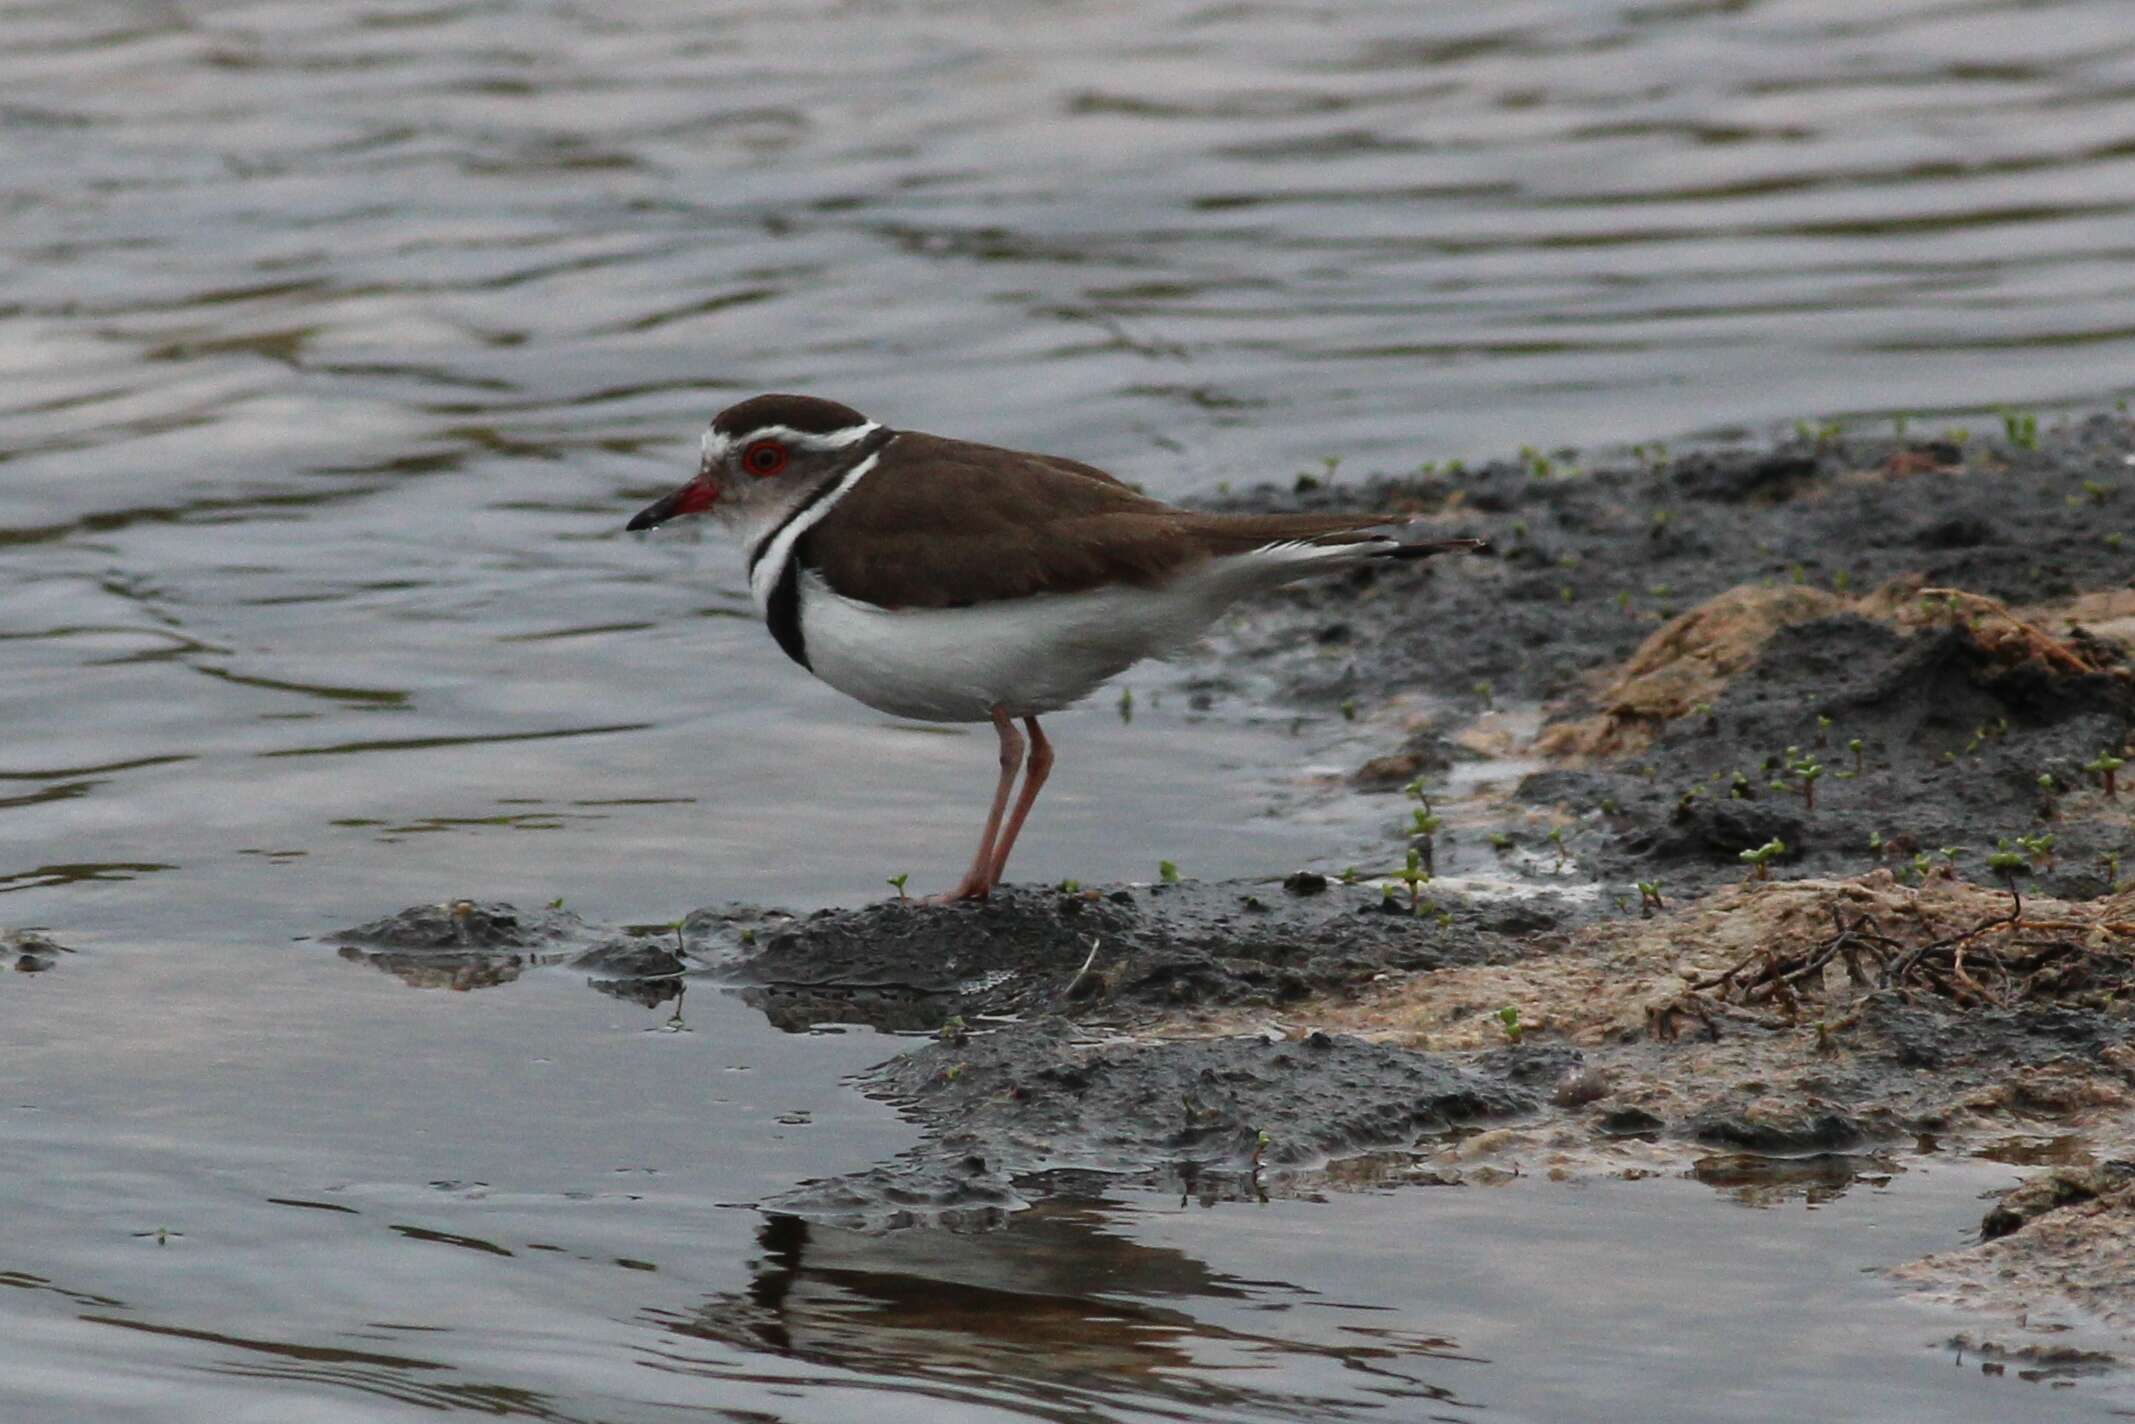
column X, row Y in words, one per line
column 1811, row 867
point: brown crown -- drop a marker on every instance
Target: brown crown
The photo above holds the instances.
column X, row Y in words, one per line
column 808, row 414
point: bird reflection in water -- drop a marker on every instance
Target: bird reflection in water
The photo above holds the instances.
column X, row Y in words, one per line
column 1059, row 1313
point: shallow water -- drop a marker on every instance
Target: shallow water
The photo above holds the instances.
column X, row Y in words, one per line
column 337, row 344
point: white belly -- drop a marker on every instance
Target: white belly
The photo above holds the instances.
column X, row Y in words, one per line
column 1028, row 655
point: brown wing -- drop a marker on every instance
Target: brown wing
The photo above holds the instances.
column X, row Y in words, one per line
column 1020, row 524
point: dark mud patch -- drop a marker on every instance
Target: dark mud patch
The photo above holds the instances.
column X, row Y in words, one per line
column 1002, row 1110
column 477, row 944
column 1585, row 561
column 1122, row 955
column 1854, row 744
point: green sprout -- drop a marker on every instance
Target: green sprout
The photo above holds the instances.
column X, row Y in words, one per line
column 1126, row 704
column 1649, row 898
column 1415, row 875
column 1071, row 887
column 2009, row 864
column 1509, row 1017
column 1760, row 859
column 1168, row 871
column 1854, row 745
column 1349, row 709
column 2022, row 429
column 2105, row 764
column 896, row 882
column 1808, row 769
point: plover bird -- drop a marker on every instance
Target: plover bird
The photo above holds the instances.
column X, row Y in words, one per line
column 947, row 581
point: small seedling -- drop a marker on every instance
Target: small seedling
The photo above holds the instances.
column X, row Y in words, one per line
column 1823, row 729
column 2022, row 429
column 1499, row 841
column 1350, row 875
column 1854, row 746
column 1760, row 860
column 953, row 1029
column 1168, row 871
column 1483, row 689
column 896, row 882
column 2009, row 865
column 557, row 903
column 1808, row 769
column 1415, row 876
column 1509, row 1018
column 1649, row 898
column 1349, row 709
column 1556, row 841
column 1126, row 704
column 2106, row 765
column 1875, row 843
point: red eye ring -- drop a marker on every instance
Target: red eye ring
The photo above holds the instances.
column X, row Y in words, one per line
column 764, row 458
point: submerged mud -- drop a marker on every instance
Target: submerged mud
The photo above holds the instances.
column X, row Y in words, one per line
column 28, row 952
column 1895, row 676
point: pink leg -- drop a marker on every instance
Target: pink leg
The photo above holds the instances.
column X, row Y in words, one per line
column 979, row 878
column 1040, row 767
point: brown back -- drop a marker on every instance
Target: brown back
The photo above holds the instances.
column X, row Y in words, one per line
column 941, row 523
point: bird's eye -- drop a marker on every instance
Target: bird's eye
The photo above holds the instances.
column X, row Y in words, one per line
column 764, row 458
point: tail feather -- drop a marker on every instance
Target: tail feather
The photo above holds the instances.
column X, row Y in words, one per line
column 1438, row 546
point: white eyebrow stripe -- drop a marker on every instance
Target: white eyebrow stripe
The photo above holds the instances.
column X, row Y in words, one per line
column 768, row 567
column 717, row 443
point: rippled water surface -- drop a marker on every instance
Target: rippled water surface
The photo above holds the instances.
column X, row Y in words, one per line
column 336, row 343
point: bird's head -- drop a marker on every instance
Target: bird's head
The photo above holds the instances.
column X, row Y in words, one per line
column 766, row 454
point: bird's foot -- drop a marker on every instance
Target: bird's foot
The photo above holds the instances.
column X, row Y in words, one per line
column 967, row 889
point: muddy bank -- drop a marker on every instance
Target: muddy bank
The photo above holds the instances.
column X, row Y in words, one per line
column 1861, row 650
column 1897, row 677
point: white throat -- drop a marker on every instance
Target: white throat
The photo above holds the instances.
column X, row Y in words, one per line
column 785, row 528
